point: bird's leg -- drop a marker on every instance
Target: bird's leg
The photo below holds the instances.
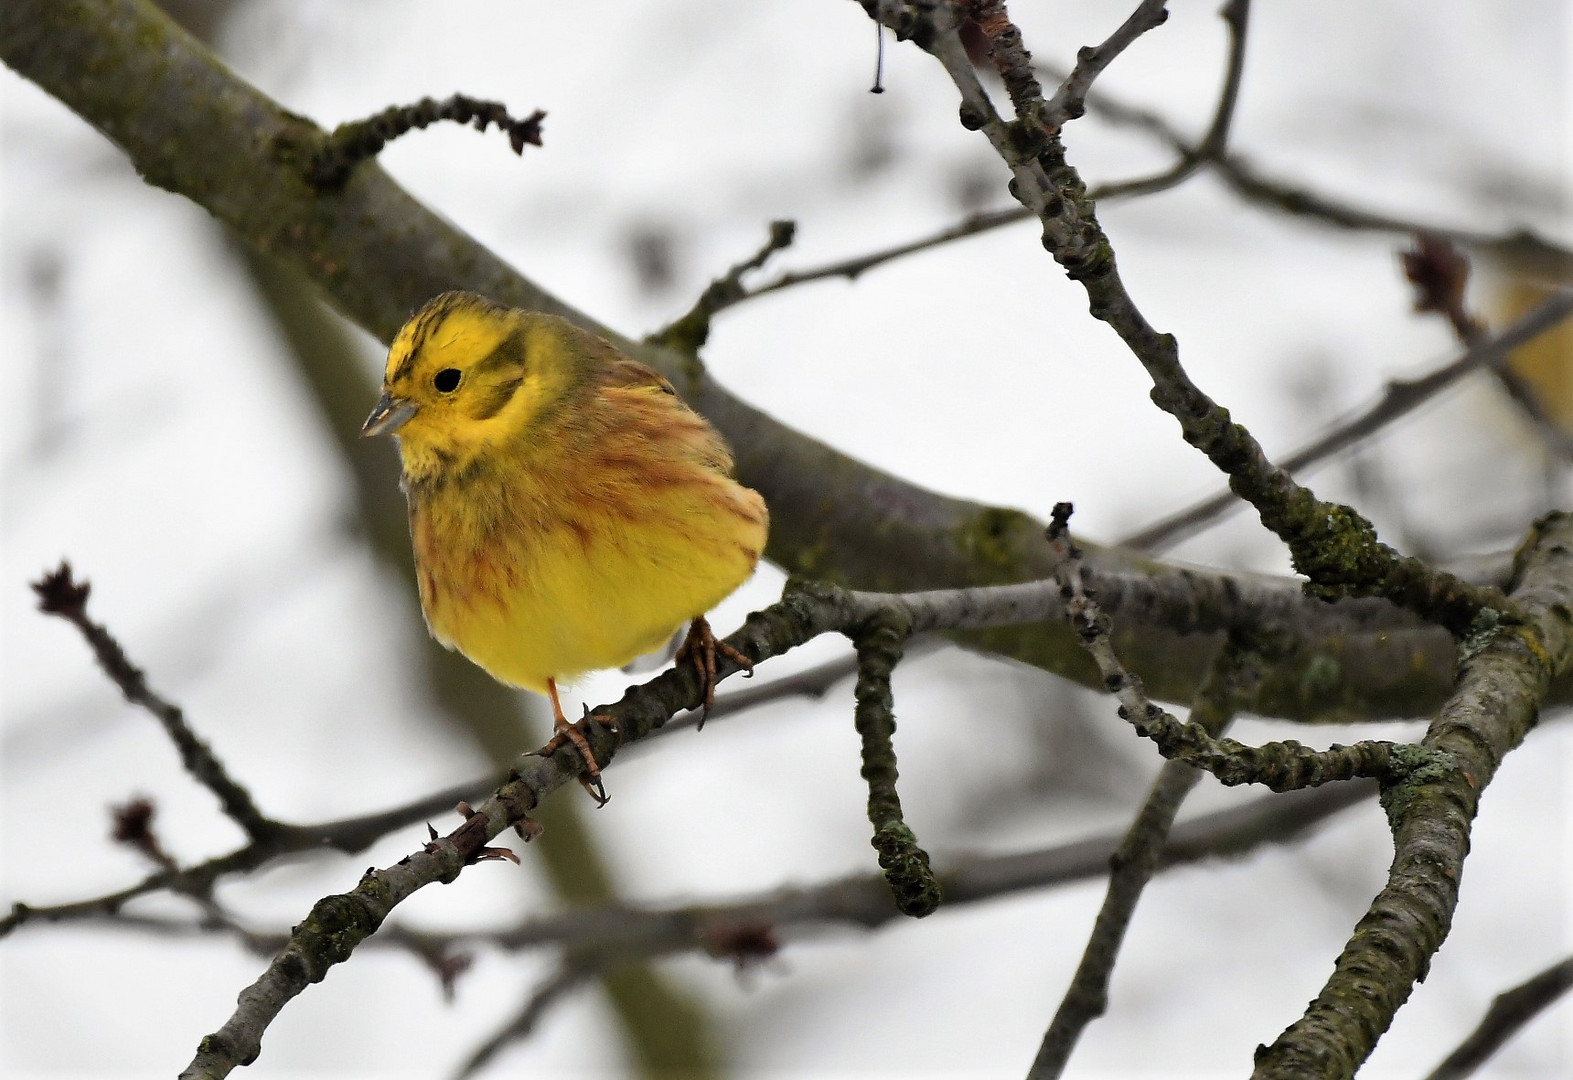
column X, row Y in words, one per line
column 570, row 733
column 700, row 649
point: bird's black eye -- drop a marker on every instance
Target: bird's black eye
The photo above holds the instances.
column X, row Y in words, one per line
column 446, row 381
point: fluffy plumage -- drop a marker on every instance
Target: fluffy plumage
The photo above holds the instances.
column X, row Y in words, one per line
column 569, row 512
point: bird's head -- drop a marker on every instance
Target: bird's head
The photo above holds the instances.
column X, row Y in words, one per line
column 465, row 374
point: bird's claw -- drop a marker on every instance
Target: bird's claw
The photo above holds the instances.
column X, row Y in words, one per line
column 573, row 734
column 699, row 649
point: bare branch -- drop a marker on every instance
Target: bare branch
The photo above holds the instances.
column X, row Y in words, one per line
column 692, row 330
column 1237, row 14
column 339, row 924
column 1520, row 249
column 1068, row 102
column 1505, row 671
column 1401, row 397
column 1281, row 766
column 62, row 595
column 1135, row 861
column 879, row 643
column 1510, row 1011
column 331, row 161
column 629, row 931
column 852, row 268
column 1331, row 544
column 573, row 972
column 348, row 835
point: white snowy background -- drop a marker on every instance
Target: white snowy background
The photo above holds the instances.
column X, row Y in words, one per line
column 157, row 435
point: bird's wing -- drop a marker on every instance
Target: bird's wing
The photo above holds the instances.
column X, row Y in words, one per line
column 678, row 427
column 629, row 374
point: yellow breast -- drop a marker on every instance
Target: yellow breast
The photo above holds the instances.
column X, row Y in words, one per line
column 549, row 572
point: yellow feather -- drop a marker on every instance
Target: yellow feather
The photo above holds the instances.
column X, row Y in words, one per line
column 568, row 511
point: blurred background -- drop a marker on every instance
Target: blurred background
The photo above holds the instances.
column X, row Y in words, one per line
column 170, row 438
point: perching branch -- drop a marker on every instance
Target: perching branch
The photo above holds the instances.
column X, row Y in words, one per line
column 339, row 924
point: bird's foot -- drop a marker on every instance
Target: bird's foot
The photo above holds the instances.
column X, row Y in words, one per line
column 574, row 735
column 700, row 649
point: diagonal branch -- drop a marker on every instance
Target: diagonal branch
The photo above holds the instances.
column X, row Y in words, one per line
column 1331, row 544
column 1068, row 103
column 338, row 924
column 1401, row 397
column 571, row 973
column 1504, row 674
column 62, row 595
column 1509, row 1012
column 1134, row 862
column 1237, row 15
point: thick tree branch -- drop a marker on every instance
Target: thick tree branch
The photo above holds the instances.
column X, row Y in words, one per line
column 189, row 125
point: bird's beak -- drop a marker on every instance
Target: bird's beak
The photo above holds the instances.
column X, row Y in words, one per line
column 389, row 415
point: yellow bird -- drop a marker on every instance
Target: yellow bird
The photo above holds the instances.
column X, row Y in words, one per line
column 568, row 511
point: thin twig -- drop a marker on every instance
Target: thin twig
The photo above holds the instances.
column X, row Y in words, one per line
column 347, row 835
column 1068, row 102
column 692, row 330
column 571, row 973
column 1333, row 545
column 1401, row 397
column 1136, row 860
column 879, row 645
column 351, row 143
column 1280, row 766
column 1237, row 15
column 1519, row 247
column 864, row 900
column 1439, row 272
column 1510, row 1011
column 62, row 595
column 852, row 268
